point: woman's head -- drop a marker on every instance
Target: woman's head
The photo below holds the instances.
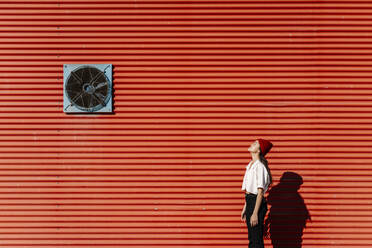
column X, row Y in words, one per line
column 260, row 146
column 255, row 147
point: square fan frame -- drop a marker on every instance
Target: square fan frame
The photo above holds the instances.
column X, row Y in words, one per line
column 70, row 108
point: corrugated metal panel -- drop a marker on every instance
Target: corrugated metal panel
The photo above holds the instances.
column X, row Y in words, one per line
column 195, row 82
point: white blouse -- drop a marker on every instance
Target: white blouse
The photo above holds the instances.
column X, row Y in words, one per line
column 256, row 177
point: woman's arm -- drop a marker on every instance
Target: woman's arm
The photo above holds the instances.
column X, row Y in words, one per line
column 242, row 216
column 254, row 216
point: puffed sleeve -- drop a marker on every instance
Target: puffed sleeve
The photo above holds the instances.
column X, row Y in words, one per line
column 243, row 183
column 261, row 176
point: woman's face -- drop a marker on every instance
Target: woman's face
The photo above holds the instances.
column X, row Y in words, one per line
column 254, row 147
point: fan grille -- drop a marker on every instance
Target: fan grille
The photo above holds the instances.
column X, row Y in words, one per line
column 87, row 88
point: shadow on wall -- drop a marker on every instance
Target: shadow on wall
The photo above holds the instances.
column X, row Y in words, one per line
column 288, row 213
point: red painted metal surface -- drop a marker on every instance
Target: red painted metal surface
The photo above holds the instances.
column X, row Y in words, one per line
column 195, row 83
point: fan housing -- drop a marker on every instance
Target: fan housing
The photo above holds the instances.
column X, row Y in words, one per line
column 87, row 88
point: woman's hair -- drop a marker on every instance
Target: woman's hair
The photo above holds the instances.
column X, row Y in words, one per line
column 264, row 161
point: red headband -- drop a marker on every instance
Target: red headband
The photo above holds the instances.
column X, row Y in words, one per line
column 265, row 146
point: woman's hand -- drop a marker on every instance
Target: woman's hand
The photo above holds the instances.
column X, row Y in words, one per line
column 243, row 216
column 254, row 219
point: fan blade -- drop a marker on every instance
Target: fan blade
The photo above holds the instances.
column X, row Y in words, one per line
column 76, row 77
column 76, row 97
column 97, row 96
column 100, row 85
column 91, row 82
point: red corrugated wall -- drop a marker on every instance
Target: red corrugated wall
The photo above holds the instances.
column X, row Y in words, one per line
column 195, row 83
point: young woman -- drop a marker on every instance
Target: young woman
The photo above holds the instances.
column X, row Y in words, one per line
column 256, row 181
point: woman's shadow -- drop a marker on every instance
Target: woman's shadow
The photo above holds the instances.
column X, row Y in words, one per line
column 288, row 213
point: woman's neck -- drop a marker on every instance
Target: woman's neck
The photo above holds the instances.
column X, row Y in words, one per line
column 254, row 158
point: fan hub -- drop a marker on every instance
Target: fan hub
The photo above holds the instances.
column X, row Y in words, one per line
column 88, row 88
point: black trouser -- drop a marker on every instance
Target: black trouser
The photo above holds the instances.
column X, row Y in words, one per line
column 255, row 233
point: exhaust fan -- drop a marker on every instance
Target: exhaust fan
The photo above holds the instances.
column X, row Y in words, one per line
column 87, row 88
